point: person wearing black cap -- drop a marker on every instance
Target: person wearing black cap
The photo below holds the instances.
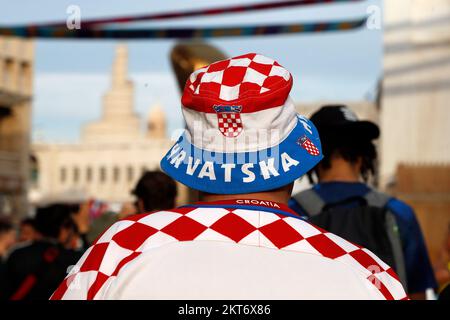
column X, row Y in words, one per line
column 340, row 184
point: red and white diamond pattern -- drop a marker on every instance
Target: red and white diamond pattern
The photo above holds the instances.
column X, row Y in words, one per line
column 230, row 124
column 129, row 238
column 231, row 79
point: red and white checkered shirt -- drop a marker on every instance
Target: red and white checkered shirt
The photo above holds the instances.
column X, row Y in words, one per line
column 236, row 249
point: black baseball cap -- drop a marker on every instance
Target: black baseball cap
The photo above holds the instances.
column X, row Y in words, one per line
column 341, row 120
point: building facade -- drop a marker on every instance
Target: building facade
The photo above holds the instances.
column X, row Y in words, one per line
column 112, row 153
column 415, row 114
column 16, row 87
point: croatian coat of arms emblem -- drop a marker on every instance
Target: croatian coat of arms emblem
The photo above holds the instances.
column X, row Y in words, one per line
column 308, row 145
column 229, row 120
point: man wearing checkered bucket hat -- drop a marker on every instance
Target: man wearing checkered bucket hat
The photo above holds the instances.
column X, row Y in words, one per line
column 243, row 148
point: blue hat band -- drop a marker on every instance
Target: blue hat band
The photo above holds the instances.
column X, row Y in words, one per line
column 245, row 172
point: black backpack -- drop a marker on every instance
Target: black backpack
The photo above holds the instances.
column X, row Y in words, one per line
column 367, row 222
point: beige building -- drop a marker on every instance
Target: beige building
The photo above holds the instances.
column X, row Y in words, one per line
column 112, row 153
column 414, row 110
column 415, row 103
column 16, row 78
column 415, row 117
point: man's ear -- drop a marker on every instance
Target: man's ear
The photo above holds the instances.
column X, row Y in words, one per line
column 141, row 207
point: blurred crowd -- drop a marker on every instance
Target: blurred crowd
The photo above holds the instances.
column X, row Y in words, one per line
column 37, row 254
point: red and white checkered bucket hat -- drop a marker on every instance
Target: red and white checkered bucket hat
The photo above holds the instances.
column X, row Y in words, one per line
column 243, row 133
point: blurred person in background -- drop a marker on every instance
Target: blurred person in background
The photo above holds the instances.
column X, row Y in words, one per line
column 7, row 238
column 34, row 271
column 100, row 218
column 80, row 216
column 27, row 231
column 127, row 209
column 442, row 267
column 340, row 190
column 155, row 191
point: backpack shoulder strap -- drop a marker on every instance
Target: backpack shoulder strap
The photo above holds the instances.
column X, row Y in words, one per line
column 377, row 199
column 310, row 201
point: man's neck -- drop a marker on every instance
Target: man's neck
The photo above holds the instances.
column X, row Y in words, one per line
column 341, row 170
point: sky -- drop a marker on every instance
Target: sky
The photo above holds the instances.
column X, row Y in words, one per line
column 71, row 76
